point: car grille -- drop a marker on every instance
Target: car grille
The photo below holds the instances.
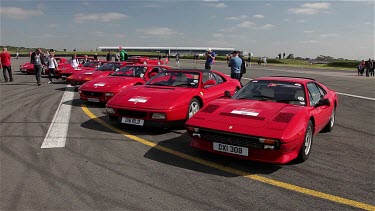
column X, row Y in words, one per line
column 92, row 94
column 232, row 139
column 132, row 114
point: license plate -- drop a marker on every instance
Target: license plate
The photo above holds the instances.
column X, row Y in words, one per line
column 63, row 76
column 96, row 100
column 230, row 149
column 132, row 121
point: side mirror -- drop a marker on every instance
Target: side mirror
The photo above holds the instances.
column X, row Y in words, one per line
column 323, row 102
column 227, row 94
column 209, row 83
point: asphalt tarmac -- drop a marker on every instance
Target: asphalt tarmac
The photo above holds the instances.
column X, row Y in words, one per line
column 102, row 167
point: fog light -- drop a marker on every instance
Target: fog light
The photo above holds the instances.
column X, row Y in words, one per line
column 269, row 147
column 158, row 116
column 110, row 110
column 109, row 94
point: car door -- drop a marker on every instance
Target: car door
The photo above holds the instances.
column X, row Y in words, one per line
column 211, row 92
column 319, row 113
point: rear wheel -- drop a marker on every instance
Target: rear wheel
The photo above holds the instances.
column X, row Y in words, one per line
column 194, row 107
column 307, row 143
column 331, row 123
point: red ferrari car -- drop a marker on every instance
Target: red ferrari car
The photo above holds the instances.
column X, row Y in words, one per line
column 88, row 66
column 145, row 60
column 29, row 68
column 80, row 77
column 271, row 119
column 169, row 98
column 104, row 88
column 66, row 65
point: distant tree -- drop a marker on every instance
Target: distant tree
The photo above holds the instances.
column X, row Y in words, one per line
column 290, row 56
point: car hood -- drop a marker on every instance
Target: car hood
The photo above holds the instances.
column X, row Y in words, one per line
column 151, row 97
column 245, row 116
column 110, row 83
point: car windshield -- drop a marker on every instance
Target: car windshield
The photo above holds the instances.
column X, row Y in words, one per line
column 91, row 64
column 109, row 67
column 188, row 79
column 277, row 91
column 131, row 71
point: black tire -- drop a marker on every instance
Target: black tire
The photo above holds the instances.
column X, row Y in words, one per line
column 193, row 108
column 331, row 123
column 305, row 150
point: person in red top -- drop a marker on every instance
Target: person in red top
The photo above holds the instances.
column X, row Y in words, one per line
column 6, row 64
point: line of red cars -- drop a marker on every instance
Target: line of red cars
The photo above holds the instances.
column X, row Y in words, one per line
column 270, row 119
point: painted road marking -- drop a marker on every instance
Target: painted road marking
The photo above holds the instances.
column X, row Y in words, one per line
column 339, row 93
column 58, row 130
column 258, row 178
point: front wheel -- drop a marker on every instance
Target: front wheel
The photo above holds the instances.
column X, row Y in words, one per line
column 307, row 143
column 194, row 107
column 331, row 123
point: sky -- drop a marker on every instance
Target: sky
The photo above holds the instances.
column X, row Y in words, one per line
column 341, row 29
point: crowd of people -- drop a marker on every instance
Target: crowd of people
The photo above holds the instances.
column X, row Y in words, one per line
column 366, row 67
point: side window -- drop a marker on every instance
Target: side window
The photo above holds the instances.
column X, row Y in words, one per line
column 219, row 79
column 321, row 90
column 314, row 93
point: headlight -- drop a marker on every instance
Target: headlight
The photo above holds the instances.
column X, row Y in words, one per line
column 158, row 116
column 109, row 94
column 110, row 110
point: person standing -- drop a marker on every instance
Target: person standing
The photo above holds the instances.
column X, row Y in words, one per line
column 243, row 66
column 235, row 64
column 177, row 60
column 52, row 67
column 368, row 65
column 159, row 56
column 96, row 56
column 6, row 64
column 38, row 61
column 210, row 57
column 17, row 55
column 117, row 56
column 372, row 69
column 109, row 56
column 74, row 62
column 123, row 55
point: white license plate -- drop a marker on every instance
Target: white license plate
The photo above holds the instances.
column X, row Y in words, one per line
column 132, row 121
column 96, row 100
column 230, row 149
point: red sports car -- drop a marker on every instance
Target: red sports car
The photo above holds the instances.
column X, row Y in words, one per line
column 104, row 88
column 271, row 119
column 145, row 60
column 80, row 77
column 29, row 68
column 169, row 98
column 66, row 65
column 88, row 66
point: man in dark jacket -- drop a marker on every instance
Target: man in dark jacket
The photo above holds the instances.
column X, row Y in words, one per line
column 38, row 61
column 243, row 66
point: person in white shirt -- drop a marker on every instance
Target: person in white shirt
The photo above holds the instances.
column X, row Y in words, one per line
column 52, row 67
column 74, row 61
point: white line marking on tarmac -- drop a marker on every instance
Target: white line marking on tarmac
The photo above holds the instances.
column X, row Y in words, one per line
column 58, row 130
column 339, row 93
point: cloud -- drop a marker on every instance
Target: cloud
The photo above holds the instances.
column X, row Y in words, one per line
column 286, row 19
column 309, row 42
column 20, row 13
column 258, row 16
column 310, row 8
column 301, row 21
column 214, row 4
column 308, row 31
column 234, row 18
column 268, row 4
column 101, row 17
column 85, row 3
column 52, row 25
column 158, row 31
column 252, row 25
column 329, row 35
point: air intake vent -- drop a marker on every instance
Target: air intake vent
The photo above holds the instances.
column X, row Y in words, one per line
column 284, row 117
column 210, row 108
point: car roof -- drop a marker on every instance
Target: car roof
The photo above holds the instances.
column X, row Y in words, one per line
column 286, row 79
column 191, row 70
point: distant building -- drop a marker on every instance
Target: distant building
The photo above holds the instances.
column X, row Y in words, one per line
column 172, row 50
